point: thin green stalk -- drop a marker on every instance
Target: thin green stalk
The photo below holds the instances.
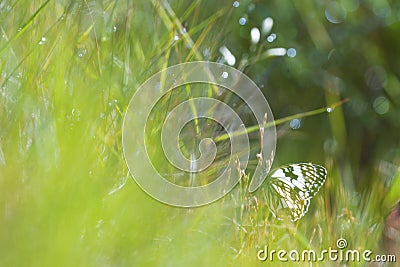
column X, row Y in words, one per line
column 254, row 128
column 23, row 28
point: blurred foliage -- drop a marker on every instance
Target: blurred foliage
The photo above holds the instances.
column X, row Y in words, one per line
column 69, row 68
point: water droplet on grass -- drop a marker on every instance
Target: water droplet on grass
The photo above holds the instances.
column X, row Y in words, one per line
column 295, row 124
column 255, row 35
column 291, row 52
column 381, row 105
column 242, row 21
column 76, row 113
column 81, row 52
column 271, row 37
column 267, row 24
column 228, row 56
column 42, row 41
column 275, row 52
column 335, row 13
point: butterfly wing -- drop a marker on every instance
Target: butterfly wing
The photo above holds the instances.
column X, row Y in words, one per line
column 294, row 185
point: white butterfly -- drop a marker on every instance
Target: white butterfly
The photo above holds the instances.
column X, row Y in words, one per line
column 292, row 187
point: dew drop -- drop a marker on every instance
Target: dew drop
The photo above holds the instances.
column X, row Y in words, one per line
column 81, row 52
column 381, row 105
column 42, row 41
column 255, row 35
column 335, row 13
column 242, row 21
column 228, row 56
column 267, row 24
column 224, row 75
column 295, row 124
column 75, row 112
column 275, row 52
column 291, row 52
column 236, row 4
column 271, row 37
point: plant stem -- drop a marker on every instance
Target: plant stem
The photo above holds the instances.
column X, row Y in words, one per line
column 329, row 108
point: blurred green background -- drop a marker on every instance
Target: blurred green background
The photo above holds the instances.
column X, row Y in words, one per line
column 69, row 68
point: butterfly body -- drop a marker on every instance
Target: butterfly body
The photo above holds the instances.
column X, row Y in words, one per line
column 293, row 186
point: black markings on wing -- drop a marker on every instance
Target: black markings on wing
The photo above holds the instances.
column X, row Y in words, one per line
column 295, row 185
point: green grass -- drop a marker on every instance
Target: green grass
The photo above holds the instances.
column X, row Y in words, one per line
column 68, row 70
